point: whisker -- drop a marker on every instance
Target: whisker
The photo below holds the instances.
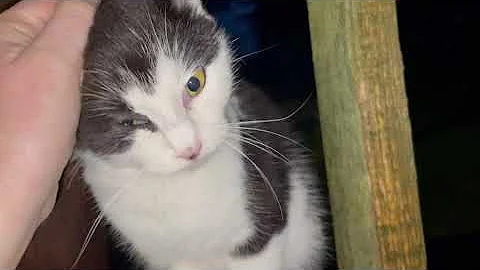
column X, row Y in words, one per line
column 273, row 133
column 262, row 174
column 95, row 225
column 278, row 119
column 234, row 40
column 264, row 144
column 88, row 238
column 73, row 169
column 235, row 86
column 264, row 147
column 254, row 53
column 273, row 152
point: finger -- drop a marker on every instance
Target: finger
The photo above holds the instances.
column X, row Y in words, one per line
column 65, row 35
column 20, row 24
column 49, row 204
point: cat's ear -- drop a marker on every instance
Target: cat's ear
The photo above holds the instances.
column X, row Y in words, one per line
column 195, row 5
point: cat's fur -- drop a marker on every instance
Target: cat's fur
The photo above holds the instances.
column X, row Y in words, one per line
column 213, row 211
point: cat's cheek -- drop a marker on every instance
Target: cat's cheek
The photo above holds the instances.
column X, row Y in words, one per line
column 154, row 154
column 125, row 160
column 212, row 137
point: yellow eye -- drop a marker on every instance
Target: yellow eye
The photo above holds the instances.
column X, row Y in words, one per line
column 196, row 83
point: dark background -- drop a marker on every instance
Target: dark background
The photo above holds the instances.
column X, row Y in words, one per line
column 439, row 46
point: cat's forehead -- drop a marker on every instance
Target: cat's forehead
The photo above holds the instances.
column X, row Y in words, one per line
column 132, row 35
column 192, row 40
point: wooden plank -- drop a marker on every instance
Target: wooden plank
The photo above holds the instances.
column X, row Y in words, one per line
column 366, row 135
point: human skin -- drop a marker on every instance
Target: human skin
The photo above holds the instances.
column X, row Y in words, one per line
column 41, row 48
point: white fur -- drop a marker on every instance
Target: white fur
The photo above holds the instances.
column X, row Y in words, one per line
column 196, row 215
column 195, row 218
column 190, row 215
column 196, row 5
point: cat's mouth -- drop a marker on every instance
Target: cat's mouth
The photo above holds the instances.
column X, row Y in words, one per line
column 199, row 158
column 191, row 152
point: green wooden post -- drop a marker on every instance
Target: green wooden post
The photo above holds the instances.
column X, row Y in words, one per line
column 366, row 134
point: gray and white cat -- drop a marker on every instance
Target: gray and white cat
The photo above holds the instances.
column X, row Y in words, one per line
column 191, row 166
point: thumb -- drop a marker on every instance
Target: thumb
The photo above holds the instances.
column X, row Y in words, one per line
column 20, row 24
column 65, row 35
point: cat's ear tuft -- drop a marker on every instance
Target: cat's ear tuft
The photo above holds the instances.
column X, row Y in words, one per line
column 195, row 5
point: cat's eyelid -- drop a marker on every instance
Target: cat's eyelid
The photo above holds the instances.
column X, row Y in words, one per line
column 140, row 121
column 196, row 69
column 135, row 120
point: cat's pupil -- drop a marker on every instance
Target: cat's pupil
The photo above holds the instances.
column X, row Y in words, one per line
column 193, row 84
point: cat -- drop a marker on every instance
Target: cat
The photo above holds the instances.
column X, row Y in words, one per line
column 193, row 167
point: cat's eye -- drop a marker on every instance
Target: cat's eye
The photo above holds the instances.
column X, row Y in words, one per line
column 196, row 83
column 137, row 122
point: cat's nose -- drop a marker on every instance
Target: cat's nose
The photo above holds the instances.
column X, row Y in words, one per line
column 191, row 152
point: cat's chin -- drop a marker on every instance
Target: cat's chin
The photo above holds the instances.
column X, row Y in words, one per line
column 178, row 166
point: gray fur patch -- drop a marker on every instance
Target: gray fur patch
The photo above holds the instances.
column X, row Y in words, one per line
column 262, row 204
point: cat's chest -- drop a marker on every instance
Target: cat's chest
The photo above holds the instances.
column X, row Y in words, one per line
column 197, row 198
column 206, row 205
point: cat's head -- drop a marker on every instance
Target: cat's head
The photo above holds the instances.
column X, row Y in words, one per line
column 158, row 77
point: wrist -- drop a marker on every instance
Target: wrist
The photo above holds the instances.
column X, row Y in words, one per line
column 25, row 200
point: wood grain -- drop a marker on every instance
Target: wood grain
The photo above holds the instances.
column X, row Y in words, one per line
column 367, row 135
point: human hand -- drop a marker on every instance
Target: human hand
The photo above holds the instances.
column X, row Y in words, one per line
column 41, row 48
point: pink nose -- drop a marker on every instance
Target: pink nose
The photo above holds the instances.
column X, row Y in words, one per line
column 191, row 152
